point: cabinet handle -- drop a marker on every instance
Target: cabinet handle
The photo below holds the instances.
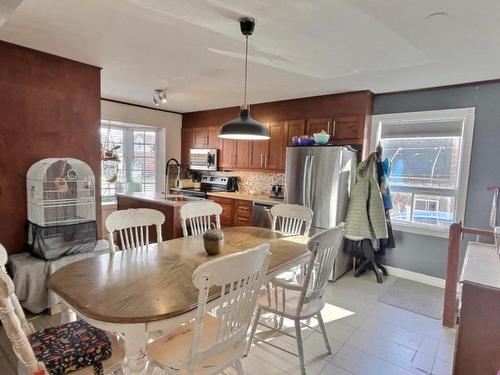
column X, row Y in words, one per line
column 244, row 208
column 265, row 160
column 261, row 159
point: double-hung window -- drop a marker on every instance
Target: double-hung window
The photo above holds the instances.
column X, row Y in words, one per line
column 138, row 154
column 430, row 154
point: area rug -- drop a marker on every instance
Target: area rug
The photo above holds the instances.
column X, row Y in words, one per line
column 419, row 298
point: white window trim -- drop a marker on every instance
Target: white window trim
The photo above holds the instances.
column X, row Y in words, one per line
column 467, row 116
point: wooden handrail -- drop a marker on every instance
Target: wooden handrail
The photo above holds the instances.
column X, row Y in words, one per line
column 450, row 291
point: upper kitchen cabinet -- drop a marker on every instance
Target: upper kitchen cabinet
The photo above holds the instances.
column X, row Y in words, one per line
column 187, row 143
column 316, row 125
column 294, row 128
column 206, row 137
column 235, row 154
column 270, row 155
column 349, row 130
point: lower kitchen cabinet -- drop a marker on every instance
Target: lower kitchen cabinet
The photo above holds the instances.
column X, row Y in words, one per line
column 235, row 212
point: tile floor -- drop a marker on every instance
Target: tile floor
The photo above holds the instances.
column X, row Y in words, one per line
column 367, row 338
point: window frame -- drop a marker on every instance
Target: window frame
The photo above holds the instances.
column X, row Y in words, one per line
column 128, row 130
column 466, row 116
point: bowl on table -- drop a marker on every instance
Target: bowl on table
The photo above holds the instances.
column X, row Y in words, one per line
column 321, row 138
column 302, row 140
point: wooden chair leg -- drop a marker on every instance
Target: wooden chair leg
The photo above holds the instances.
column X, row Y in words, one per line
column 300, row 346
column 239, row 368
column 252, row 332
column 323, row 330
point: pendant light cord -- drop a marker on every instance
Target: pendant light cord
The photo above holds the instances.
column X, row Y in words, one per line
column 246, row 71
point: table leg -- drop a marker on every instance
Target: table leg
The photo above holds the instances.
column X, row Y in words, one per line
column 67, row 315
column 135, row 349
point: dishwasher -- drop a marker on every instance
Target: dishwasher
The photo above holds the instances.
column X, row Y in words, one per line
column 262, row 215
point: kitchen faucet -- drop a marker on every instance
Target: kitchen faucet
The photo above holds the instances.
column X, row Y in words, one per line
column 172, row 160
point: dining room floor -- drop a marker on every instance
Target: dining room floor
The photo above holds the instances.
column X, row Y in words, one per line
column 367, row 338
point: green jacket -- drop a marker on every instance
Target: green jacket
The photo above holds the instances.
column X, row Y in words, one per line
column 365, row 213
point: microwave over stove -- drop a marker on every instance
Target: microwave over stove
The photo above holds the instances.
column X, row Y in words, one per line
column 203, row 159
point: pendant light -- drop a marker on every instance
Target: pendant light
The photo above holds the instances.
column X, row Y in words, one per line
column 244, row 126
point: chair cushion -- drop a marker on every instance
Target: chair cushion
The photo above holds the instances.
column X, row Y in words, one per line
column 72, row 346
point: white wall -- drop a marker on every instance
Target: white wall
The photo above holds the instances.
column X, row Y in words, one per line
column 171, row 124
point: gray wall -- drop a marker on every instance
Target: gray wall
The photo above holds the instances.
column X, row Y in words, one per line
column 425, row 254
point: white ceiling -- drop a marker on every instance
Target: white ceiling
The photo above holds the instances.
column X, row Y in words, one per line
column 300, row 47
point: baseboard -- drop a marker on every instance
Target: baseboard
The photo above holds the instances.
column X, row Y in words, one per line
column 415, row 276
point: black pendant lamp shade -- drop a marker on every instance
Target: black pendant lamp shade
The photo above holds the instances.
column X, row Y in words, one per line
column 244, row 126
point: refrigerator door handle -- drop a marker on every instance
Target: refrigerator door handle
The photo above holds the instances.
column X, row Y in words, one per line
column 309, row 183
column 304, row 181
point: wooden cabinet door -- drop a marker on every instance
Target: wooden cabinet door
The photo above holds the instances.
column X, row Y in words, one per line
column 294, row 129
column 226, row 218
column 187, row 142
column 213, row 137
column 242, row 154
column 243, row 211
column 259, row 151
column 201, row 137
column 275, row 158
column 349, row 129
column 319, row 124
column 227, row 154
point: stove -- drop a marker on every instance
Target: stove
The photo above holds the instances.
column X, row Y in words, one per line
column 211, row 184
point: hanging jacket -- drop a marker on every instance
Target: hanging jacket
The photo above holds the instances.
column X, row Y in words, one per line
column 365, row 217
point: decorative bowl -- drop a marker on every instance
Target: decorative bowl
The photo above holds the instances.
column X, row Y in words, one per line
column 303, row 140
column 321, row 138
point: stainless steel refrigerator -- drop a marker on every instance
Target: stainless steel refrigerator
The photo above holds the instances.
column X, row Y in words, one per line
column 321, row 177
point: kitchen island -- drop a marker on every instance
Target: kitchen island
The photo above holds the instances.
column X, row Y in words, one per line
column 168, row 205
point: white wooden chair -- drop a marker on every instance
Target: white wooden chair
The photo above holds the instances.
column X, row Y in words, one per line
column 198, row 216
column 3, row 258
column 303, row 301
column 19, row 330
column 212, row 343
column 132, row 226
column 293, row 219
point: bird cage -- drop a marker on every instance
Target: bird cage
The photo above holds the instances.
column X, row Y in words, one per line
column 60, row 192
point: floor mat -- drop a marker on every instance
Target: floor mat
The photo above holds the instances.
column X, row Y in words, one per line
column 416, row 297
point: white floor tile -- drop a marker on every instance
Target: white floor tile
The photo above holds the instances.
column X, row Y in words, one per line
column 448, row 335
column 361, row 363
column 445, row 352
column 330, row 369
column 442, row 368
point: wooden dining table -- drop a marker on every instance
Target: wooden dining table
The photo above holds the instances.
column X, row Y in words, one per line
column 146, row 290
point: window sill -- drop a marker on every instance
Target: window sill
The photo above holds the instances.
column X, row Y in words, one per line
column 421, row 229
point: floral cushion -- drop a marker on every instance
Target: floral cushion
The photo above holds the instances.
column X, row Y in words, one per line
column 72, row 346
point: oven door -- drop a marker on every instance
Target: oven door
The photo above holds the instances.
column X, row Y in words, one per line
column 203, row 159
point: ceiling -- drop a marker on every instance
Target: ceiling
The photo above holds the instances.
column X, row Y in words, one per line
column 300, row 48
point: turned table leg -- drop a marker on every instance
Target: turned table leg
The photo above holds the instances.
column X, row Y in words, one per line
column 135, row 349
column 67, row 315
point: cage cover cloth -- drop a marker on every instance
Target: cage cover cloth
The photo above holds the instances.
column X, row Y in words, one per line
column 55, row 241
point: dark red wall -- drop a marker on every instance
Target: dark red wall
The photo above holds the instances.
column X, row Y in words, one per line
column 49, row 107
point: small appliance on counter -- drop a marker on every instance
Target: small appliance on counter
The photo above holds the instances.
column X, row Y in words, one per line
column 211, row 184
column 277, row 191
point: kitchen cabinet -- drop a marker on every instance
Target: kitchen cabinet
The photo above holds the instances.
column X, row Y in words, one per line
column 187, row 142
column 242, row 213
column 319, row 124
column 206, row 137
column 270, row 155
column 235, row 154
column 226, row 218
column 235, row 212
column 349, row 130
column 294, row 128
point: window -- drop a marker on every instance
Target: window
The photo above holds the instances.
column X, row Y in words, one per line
column 138, row 154
column 430, row 154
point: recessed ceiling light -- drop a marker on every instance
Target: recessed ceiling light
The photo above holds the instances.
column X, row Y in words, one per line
column 433, row 17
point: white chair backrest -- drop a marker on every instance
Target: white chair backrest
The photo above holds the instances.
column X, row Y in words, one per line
column 240, row 277
column 294, row 219
column 3, row 257
column 324, row 248
column 16, row 326
column 132, row 226
column 198, row 216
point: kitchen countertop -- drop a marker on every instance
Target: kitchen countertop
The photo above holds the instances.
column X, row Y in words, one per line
column 259, row 198
column 160, row 198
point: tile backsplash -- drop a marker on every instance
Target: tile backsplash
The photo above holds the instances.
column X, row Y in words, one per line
column 258, row 182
